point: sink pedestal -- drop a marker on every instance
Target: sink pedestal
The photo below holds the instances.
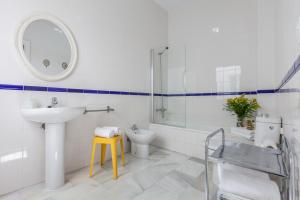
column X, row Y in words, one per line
column 55, row 173
column 55, row 120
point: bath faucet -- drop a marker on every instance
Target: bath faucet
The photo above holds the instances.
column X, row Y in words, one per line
column 54, row 102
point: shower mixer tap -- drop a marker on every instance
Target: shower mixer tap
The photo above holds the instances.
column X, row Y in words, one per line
column 162, row 110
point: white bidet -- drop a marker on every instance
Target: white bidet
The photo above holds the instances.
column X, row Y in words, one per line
column 140, row 140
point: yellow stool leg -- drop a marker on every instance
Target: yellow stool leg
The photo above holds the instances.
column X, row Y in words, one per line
column 103, row 153
column 92, row 158
column 114, row 159
column 122, row 151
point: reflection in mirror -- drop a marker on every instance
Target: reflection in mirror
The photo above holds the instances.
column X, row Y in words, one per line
column 46, row 47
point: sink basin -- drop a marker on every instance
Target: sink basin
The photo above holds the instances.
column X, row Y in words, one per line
column 55, row 121
column 52, row 115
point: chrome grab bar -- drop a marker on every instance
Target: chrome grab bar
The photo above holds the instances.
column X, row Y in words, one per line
column 221, row 130
column 108, row 109
column 291, row 168
column 291, row 181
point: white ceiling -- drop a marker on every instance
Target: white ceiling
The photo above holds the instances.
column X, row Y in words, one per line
column 169, row 4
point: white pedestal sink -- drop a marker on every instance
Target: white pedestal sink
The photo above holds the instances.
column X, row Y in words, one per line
column 55, row 120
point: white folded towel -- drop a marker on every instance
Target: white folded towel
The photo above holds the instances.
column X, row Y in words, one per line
column 106, row 132
column 113, row 128
column 242, row 170
column 243, row 132
column 241, row 183
column 230, row 196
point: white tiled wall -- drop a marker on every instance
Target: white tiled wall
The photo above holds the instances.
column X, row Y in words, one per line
column 113, row 38
column 18, row 135
column 206, row 35
column 288, row 39
column 187, row 141
column 180, row 140
column 263, row 37
column 193, row 24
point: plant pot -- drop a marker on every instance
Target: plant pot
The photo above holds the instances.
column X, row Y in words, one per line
column 240, row 122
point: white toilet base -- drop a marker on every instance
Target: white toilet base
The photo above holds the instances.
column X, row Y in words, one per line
column 140, row 150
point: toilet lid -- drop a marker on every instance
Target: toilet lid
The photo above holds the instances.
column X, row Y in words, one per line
column 273, row 120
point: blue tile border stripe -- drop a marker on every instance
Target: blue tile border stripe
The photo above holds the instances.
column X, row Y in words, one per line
column 140, row 93
column 68, row 90
column 35, row 88
column 289, row 90
column 92, row 91
column 114, row 92
column 54, row 89
column 289, row 75
column 103, row 92
column 88, row 91
column 11, row 87
column 219, row 93
column 72, row 90
column 268, row 91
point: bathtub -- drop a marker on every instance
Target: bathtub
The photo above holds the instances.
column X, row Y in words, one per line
column 190, row 142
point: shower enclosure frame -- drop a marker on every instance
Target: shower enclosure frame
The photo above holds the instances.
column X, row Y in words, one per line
column 152, row 84
column 152, row 57
column 152, row 80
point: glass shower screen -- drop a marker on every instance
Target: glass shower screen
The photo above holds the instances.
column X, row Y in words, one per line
column 168, row 71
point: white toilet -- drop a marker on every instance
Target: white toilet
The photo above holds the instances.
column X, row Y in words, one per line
column 140, row 140
column 267, row 131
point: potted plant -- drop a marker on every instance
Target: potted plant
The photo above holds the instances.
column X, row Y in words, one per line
column 242, row 107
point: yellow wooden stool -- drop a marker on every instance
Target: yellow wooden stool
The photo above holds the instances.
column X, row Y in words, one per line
column 113, row 144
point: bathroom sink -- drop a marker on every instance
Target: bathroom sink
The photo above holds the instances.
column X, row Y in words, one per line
column 55, row 119
column 52, row 115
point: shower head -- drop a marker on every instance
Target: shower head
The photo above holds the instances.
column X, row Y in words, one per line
column 163, row 51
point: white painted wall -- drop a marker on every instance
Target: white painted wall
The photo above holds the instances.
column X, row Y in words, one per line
column 114, row 38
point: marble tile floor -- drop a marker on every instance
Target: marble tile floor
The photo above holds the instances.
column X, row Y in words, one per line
column 165, row 175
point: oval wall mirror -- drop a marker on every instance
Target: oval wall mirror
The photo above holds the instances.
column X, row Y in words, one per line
column 47, row 47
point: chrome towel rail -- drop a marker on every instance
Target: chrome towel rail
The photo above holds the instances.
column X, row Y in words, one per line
column 108, row 109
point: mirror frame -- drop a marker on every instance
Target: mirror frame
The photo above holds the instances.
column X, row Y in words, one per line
column 69, row 36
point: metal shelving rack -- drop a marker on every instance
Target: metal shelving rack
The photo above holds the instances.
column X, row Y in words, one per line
column 272, row 161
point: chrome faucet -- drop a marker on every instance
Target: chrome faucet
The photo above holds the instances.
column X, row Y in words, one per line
column 162, row 110
column 134, row 127
column 54, row 102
